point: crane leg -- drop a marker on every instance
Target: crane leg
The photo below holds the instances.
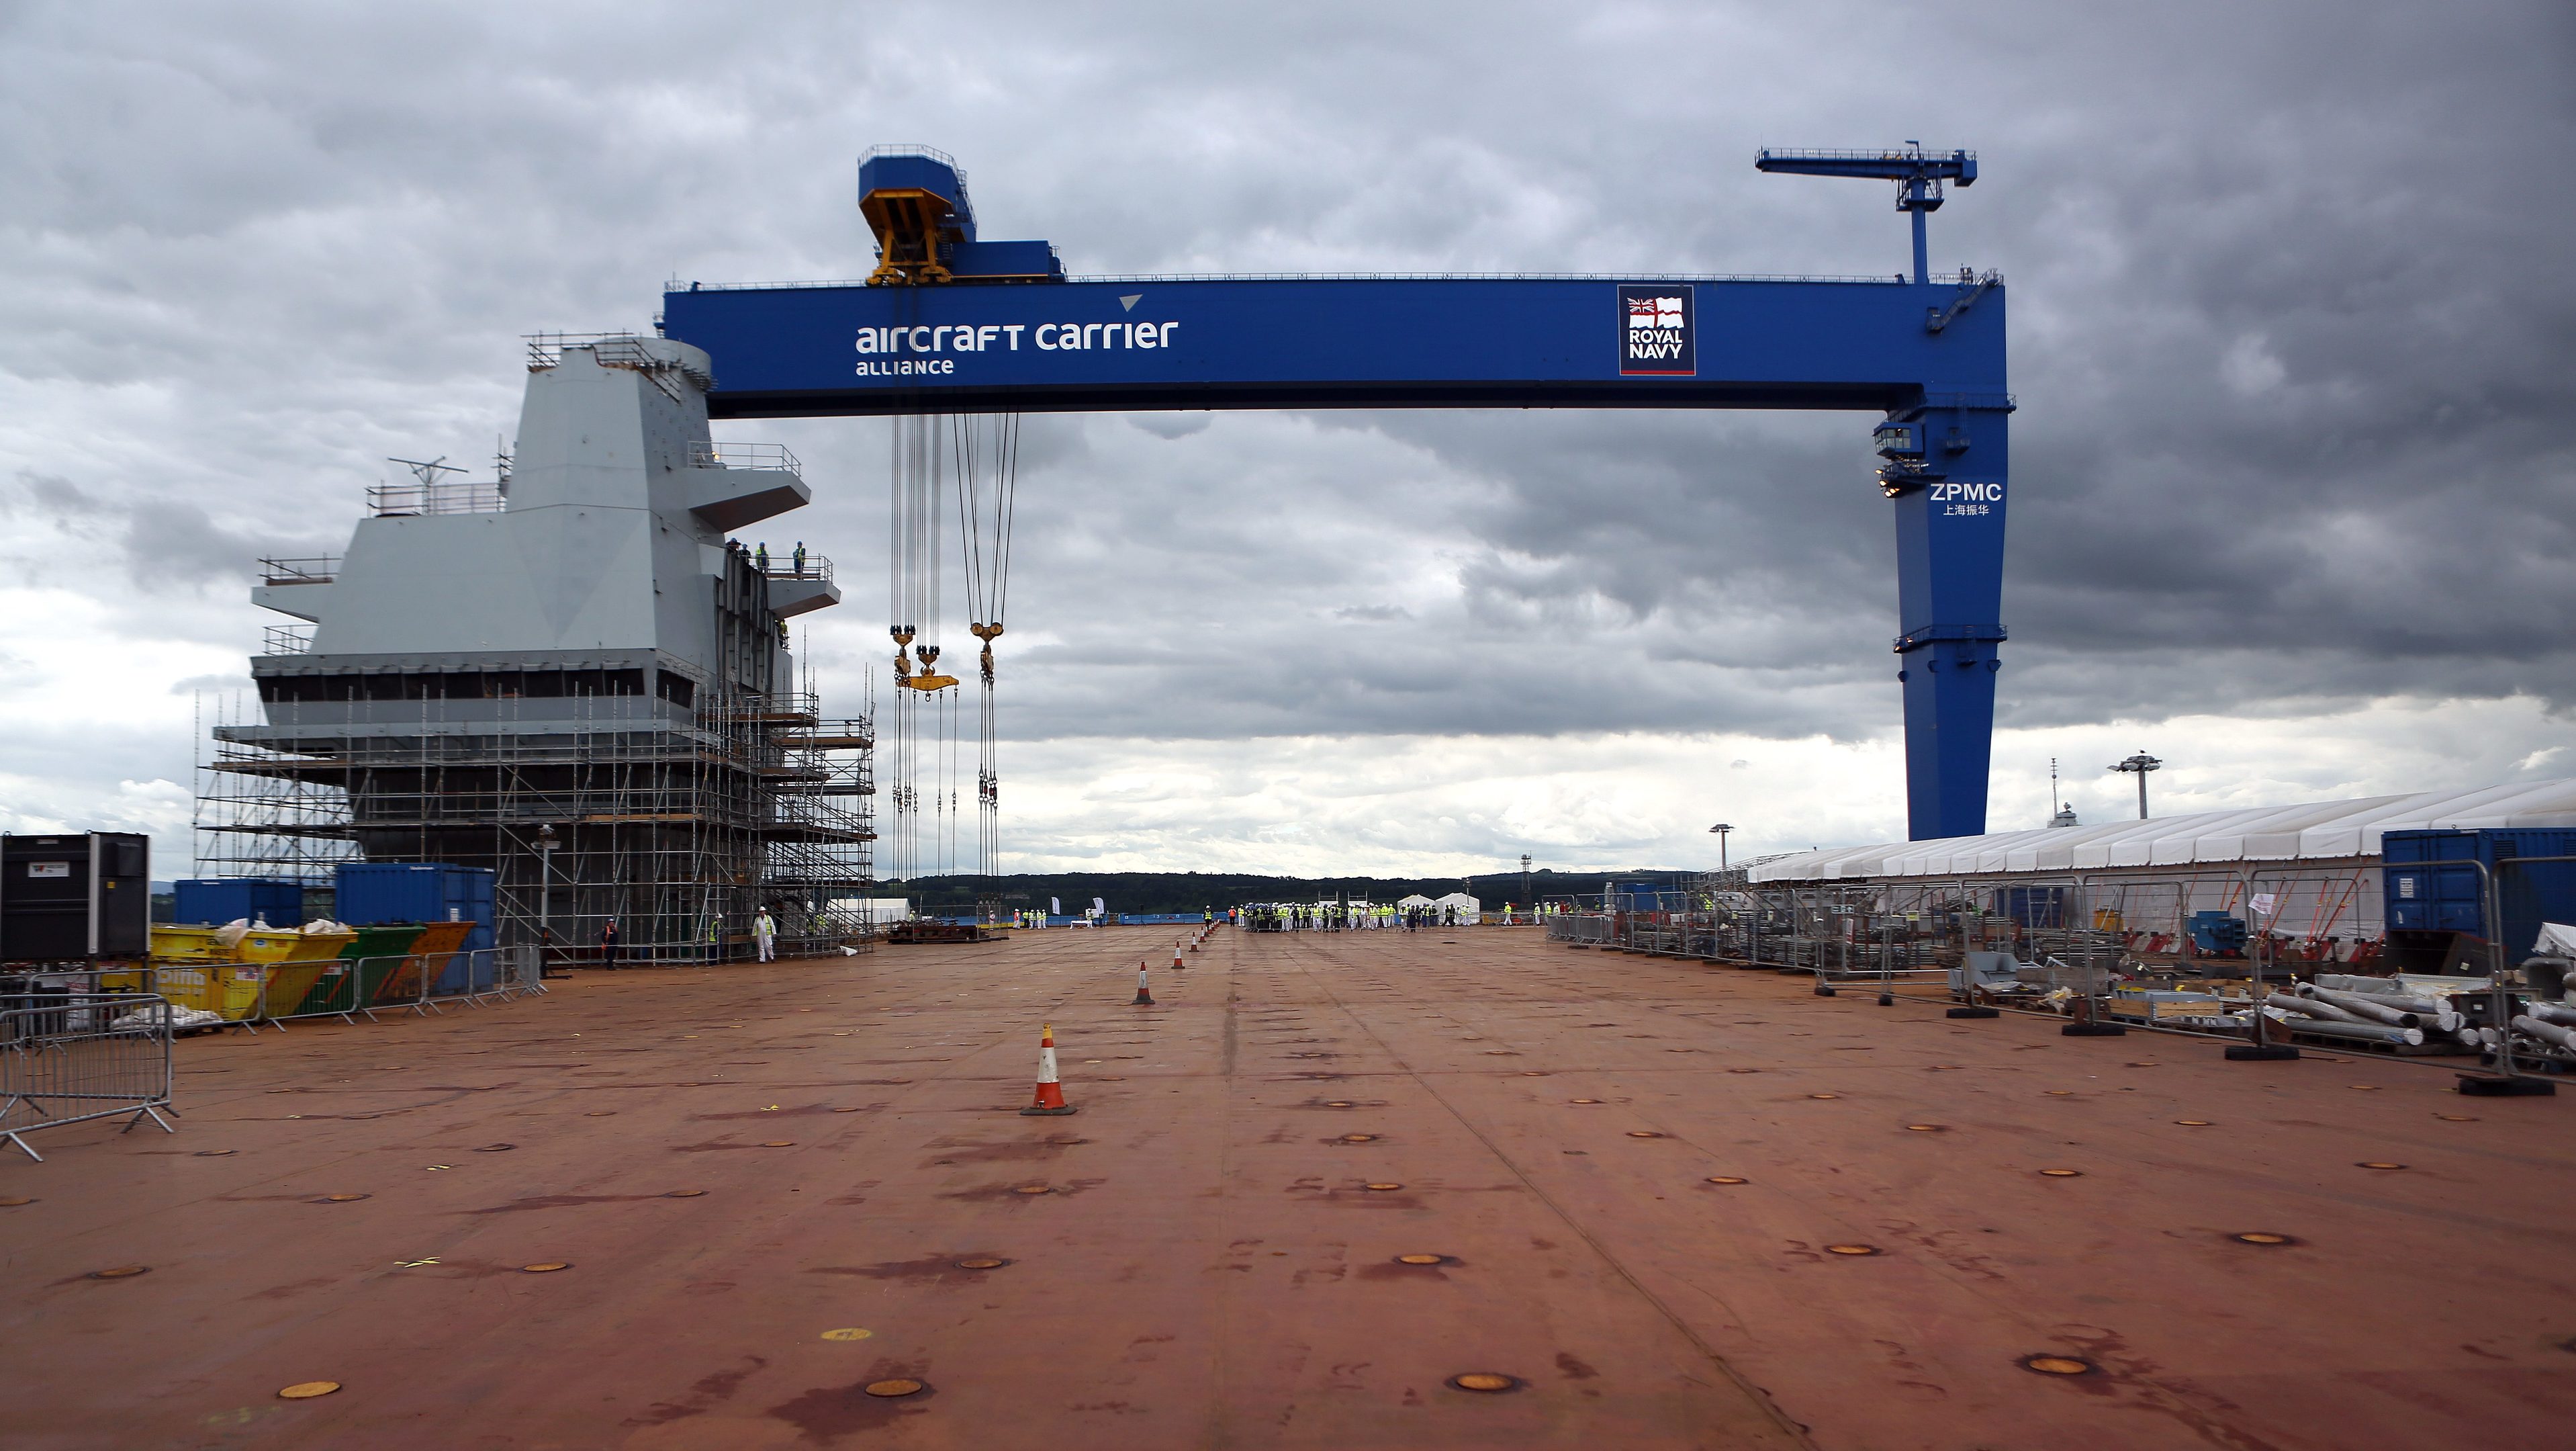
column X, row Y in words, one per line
column 1922, row 251
column 1949, row 585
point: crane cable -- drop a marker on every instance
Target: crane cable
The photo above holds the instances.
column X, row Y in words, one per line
column 905, row 465
column 987, row 454
column 981, row 454
column 917, row 468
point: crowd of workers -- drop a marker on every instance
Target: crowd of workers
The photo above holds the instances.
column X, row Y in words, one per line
column 1354, row 916
column 1256, row 917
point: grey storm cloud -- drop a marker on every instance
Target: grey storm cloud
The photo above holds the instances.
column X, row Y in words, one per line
column 2294, row 337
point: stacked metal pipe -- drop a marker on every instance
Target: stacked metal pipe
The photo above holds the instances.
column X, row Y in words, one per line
column 2336, row 1022
column 2553, row 1023
column 2435, row 1013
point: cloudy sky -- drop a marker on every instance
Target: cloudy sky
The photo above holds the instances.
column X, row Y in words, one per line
column 2293, row 330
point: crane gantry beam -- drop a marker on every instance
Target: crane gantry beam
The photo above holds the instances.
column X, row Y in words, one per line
column 952, row 325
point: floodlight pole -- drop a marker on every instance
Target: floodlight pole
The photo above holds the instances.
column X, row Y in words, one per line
column 2139, row 765
column 1721, row 829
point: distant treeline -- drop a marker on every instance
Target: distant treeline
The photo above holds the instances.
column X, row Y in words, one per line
column 1191, row 891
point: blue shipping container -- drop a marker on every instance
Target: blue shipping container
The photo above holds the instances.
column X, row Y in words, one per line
column 2427, row 884
column 213, row 901
column 2032, row 906
column 371, row 893
column 469, row 972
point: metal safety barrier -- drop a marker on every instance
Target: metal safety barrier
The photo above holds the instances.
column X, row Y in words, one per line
column 1588, row 928
column 72, row 1057
column 350, row 988
column 526, row 966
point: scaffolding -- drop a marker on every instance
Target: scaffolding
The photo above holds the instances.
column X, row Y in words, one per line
column 678, row 815
column 680, row 835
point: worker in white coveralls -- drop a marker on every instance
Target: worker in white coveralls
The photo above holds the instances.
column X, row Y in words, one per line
column 765, row 933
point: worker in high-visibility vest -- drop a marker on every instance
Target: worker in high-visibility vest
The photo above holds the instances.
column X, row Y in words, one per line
column 765, row 933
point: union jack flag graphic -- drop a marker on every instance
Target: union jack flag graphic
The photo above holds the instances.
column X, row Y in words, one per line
column 1654, row 312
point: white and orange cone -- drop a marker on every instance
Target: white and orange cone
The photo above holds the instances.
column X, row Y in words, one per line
column 1144, row 994
column 1177, row 964
column 1050, row 1099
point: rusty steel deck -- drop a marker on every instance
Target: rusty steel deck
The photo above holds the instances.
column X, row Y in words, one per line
column 1631, row 1175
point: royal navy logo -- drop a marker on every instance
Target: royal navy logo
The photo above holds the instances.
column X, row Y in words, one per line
column 1656, row 337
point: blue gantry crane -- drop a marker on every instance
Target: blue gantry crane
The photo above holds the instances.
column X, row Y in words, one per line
column 1918, row 175
column 952, row 324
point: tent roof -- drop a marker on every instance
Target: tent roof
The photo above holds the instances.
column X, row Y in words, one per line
column 2314, row 831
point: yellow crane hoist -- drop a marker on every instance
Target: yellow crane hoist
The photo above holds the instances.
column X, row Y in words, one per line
column 988, row 634
column 929, row 679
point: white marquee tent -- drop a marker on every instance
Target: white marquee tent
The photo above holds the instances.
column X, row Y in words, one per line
column 2319, row 831
column 2320, row 860
column 1470, row 910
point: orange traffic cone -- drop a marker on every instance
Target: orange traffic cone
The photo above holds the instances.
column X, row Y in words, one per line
column 1177, row 964
column 1050, row 1100
column 1144, row 994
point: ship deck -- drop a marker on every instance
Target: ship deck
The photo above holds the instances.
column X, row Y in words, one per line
column 761, row 1179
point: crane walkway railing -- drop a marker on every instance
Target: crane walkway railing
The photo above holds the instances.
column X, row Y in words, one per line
column 773, row 457
column 1846, row 153
column 1882, row 279
column 320, row 569
column 473, row 496
column 789, row 566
